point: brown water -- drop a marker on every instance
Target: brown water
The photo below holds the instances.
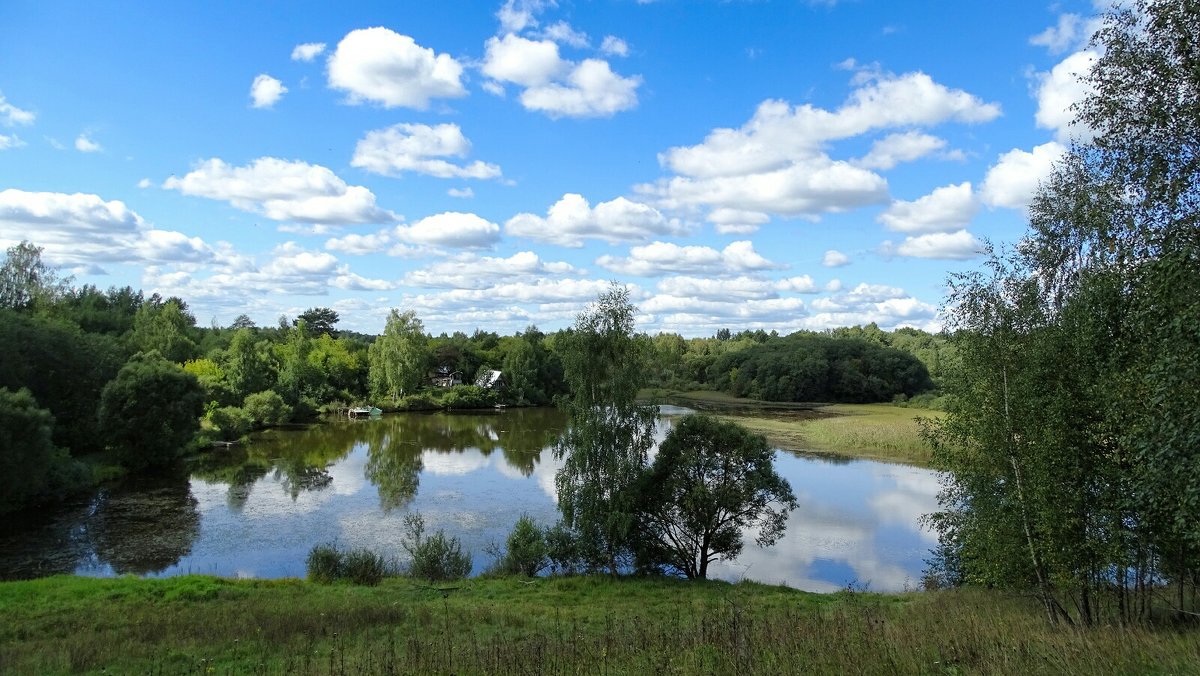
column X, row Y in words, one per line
column 256, row 510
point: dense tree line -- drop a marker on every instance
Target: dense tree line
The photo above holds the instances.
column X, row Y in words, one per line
column 1072, row 448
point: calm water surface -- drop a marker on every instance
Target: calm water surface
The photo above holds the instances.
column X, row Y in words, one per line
column 256, row 511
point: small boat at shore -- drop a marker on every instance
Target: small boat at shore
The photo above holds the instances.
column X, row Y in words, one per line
column 364, row 410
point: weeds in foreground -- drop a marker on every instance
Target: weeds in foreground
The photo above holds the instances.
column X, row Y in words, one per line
column 556, row 625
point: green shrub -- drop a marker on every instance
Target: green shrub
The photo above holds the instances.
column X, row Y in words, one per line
column 324, row 563
column 435, row 557
column 526, row 548
column 267, row 408
column 468, row 396
column 231, row 422
column 562, row 548
column 417, row 402
column 363, row 566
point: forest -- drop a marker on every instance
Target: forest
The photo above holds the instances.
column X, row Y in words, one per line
column 98, row 383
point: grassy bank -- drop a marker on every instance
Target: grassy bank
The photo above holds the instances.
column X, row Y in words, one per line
column 876, row 431
column 561, row 625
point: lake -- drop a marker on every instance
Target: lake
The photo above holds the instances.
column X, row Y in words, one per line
column 256, row 510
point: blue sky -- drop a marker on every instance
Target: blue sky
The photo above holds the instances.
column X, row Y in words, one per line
column 775, row 164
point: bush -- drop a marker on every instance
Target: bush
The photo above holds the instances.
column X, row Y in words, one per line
column 324, row 563
column 468, row 396
column 526, row 549
column 150, row 412
column 34, row 468
column 562, row 548
column 327, row 564
column 363, row 566
column 417, row 402
column 267, row 408
column 231, row 422
column 436, row 557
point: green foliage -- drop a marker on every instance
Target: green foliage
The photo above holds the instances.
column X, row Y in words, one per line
column 319, row 321
column 810, row 367
column 267, row 408
column 1071, row 444
column 399, row 358
column 328, row 563
column 32, row 468
column 165, row 327
column 563, row 550
column 434, row 557
column 25, row 281
column 710, row 481
column 231, row 422
column 526, row 552
column 150, row 412
column 467, row 397
column 249, row 363
column 64, row 369
column 604, row 448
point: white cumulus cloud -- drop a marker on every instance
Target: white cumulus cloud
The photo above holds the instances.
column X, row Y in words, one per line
column 452, row 229
column 1012, row 181
column 1057, row 93
column 835, row 259
column 660, row 258
column 555, row 86
column 419, row 148
column 614, row 46
column 382, row 66
column 282, row 190
column 571, row 220
column 945, row 209
column 894, row 149
column 85, row 144
column 307, row 51
column 266, row 91
column 959, row 245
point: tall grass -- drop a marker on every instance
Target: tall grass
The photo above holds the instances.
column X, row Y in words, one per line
column 555, row 625
column 877, row 431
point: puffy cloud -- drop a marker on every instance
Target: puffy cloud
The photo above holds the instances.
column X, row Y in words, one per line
column 84, row 144
column 1013, row 180
column 419, row 148
column 361, row 245
column 556, row 86
column 1067, row 33
column 528, row 63
column 453, row 229
column 461, row 193
column 468, row 271
column 778, row 133
column 385, row 67
column 661, row 258
column 777, row 162
column 1059, row 90
column 7, row 142
column 11, row 115
column 893, row 149
column 282, row 190
column 562, row 33
column 571, row 220
column 307, row 51
column 265, row 91
column 517, row 15
column 960, row 245
column 835, row 259
column 344, row 279
column 943, row 210
column 729, row 221
column 83, row 229
column 614, row 46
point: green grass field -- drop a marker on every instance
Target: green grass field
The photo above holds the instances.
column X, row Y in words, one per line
column 571, row 625
column 875, row 431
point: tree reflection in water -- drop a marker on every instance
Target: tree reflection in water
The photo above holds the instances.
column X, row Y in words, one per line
column 146, row 525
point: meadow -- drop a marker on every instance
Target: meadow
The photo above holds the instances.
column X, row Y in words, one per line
column 567, row 625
